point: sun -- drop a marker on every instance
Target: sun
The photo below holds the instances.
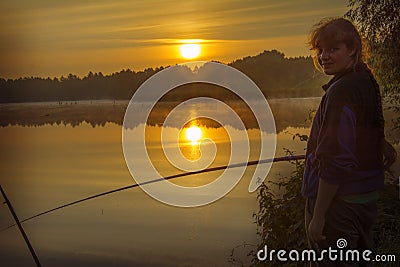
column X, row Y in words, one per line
column 193, row 134
column 190, row 51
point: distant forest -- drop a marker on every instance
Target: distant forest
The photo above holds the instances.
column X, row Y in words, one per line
column 276, row 75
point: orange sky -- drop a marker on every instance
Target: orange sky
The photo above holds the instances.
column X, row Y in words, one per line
column 48, row 38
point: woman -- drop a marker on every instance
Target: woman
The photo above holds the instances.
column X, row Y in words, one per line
column 344, row 165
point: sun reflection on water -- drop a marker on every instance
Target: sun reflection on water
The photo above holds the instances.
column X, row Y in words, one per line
column 193, row 134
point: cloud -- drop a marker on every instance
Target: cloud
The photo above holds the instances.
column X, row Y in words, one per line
column 43, row 27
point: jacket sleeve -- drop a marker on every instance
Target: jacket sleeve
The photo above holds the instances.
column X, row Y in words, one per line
column 336, row 143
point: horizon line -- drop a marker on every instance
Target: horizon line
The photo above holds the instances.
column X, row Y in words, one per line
column 152, row 67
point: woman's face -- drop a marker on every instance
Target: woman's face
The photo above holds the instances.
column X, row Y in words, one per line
column 335, row 58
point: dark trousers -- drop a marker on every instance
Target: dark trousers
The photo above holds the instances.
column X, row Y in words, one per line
column 349, row 221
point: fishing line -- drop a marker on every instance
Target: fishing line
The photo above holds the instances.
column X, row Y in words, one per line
column 249, row 163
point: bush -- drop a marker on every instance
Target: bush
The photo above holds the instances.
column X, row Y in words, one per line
column 280, row 220
column 386, row 230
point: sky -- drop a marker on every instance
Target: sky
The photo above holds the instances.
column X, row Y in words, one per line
column 47, row 38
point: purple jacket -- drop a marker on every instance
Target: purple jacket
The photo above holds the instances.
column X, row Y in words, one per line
column 344, row 145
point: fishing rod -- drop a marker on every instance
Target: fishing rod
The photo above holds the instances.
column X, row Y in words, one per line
column 243, row 164
column 21, row 229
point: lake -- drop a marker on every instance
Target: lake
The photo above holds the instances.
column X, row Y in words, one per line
column 46, row 165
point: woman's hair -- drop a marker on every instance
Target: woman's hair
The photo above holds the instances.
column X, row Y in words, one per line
column 330, row 31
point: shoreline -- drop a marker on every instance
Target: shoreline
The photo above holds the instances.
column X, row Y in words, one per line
column 287, row 112
column 99, row 112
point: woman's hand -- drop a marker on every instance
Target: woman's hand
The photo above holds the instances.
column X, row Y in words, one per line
column 389, row 153
column 326, row 194
column 315, row 229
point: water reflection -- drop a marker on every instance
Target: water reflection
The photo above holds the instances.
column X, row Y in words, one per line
column 287, row 112
column 190, row 138
column 48, row 166
column 193, row 134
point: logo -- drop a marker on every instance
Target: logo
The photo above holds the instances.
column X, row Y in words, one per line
column 341, row 243
column 144, row 171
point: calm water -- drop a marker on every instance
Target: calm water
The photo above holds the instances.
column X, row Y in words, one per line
column 47, row 166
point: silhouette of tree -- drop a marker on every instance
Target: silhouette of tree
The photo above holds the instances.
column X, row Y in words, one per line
column 379, row 22
column 276, row 76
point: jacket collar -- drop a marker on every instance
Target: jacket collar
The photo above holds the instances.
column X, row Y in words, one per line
column 358, row 68
column 326, row 86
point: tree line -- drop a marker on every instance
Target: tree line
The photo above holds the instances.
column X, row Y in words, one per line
column 275, row 74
